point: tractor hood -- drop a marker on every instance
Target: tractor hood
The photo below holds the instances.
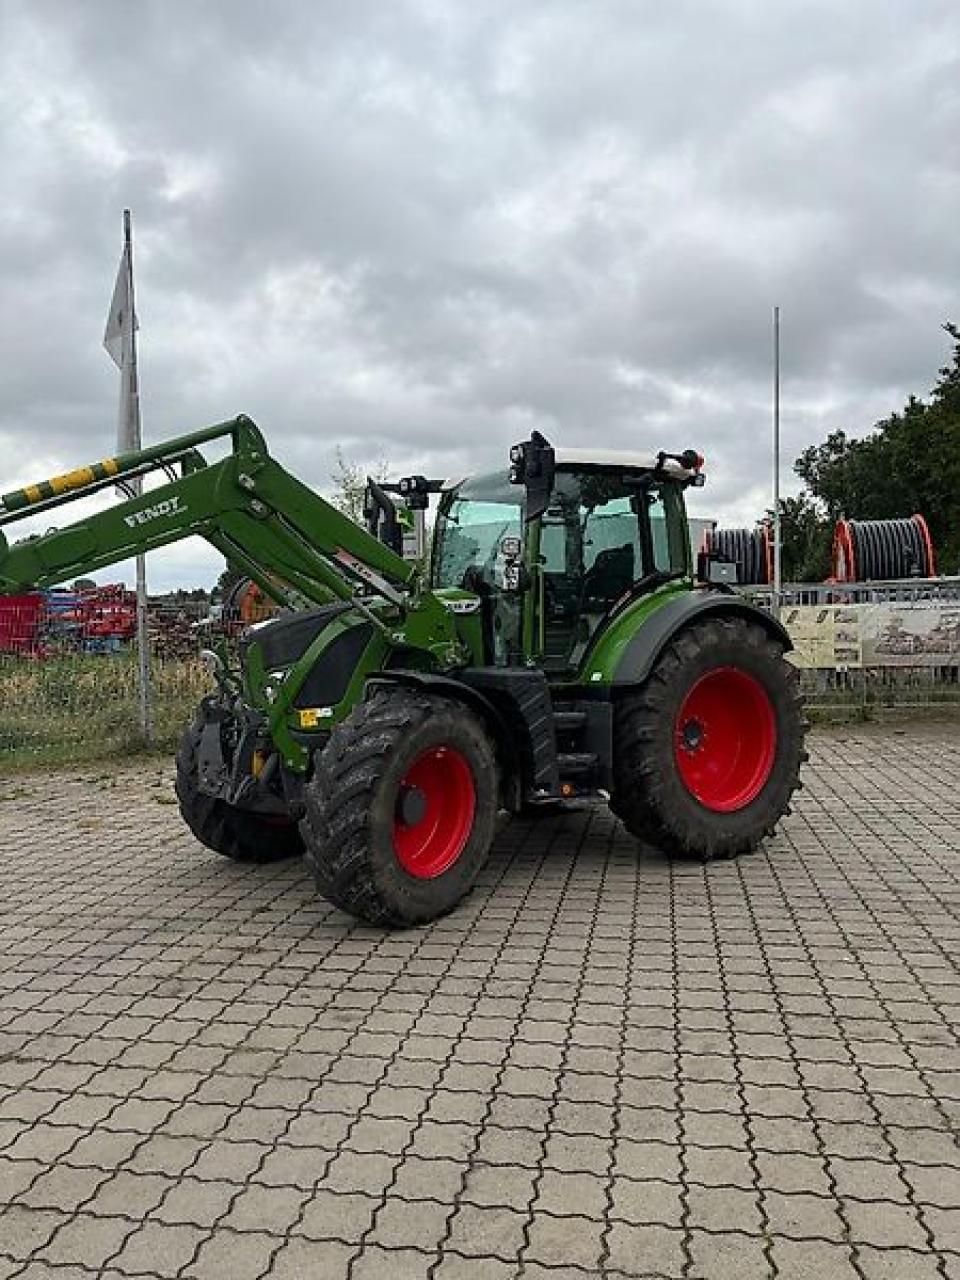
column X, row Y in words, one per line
column 282, row 640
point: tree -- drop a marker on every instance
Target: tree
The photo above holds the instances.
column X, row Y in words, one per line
column 350, row 484
column 227, row 581
column 910, row 462
column 805, row 539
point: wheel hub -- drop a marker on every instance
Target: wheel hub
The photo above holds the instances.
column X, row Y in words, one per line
column 411, row 805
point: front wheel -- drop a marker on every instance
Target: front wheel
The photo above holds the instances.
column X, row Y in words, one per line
column 401, row 808
column 707, row 753
column 236, row 833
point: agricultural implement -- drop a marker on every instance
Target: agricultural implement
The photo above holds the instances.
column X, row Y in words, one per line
column 560, row 645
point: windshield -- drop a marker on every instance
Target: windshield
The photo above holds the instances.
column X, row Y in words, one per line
column 483, row 512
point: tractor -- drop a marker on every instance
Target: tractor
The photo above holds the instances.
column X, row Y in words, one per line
column 562, row 643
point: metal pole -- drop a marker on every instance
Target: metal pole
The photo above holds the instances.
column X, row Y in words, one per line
column 776, row 462
column 133, row 408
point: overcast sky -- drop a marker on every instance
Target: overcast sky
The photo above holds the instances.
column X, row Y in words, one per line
column 420, row 228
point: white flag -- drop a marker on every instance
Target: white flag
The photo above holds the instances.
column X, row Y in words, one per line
column 116, row 336
column 119, row 343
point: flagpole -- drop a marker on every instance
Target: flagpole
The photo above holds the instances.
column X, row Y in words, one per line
column 776, row 462
column 133, row 408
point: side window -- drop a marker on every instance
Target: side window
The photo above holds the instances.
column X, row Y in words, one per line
column 662, row 558
column 668, row 531
column 553, row 545
column 612, row 555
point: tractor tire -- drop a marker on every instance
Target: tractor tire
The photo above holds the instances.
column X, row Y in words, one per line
column 402, row 807
column 236, row 833
column 707, row 753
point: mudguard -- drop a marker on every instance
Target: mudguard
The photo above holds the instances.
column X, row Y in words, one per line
column 641, row 653
column 445, row 686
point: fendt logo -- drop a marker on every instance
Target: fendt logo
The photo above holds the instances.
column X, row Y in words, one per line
column 168, row 507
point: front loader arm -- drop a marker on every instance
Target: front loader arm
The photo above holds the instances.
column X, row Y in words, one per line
column 296, row 545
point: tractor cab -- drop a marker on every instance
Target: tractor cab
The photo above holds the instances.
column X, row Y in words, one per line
column 560, row 543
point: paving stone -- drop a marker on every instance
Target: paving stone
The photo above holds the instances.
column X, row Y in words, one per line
column 87, row 1241
column 728, row 1255
column 854, row 1141
column 232, row 1255
column 510, row 1186
column 132, row 1195
column 360, row 1171
column 647, row 1202
column 16, row 1176
column 636, row 1250
column 419, row 1179
column 885, row 1225
column 479, row 1231
column 298, row 1258
column 945, row 1225
column 792, row 1171
column 25, row 1230
column 804, row 1259
column 232, row 1161
column 166, row 1154
column 564, row 1242
column 719, row 1167
column 581, row 1154
column 934, row 1185
column 406, row 1264
column 331, row 1216
column 453, row 1267
column 159, row 1248
column 45, row 1142
column 404, row 1224
column 894, row 1264
column 63, row 1187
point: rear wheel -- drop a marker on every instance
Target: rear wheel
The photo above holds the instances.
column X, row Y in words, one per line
column 236, row 833
column 401, row 809
column 707, row 754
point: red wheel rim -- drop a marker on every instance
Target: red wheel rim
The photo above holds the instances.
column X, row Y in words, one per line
column 433, row 818
column 725, row 739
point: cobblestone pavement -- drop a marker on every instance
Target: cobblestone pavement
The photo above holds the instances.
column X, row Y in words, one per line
column 605, row 1063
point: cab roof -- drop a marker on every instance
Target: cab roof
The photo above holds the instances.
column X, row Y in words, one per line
column 623, row 458
column 577, row 459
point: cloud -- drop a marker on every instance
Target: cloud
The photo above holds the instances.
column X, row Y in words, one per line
column 418, row 230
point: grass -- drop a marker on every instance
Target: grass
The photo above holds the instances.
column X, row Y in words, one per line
column 81, row 708
column 84, row 707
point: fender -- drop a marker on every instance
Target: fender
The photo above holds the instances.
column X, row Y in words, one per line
column 641, row 654
column 473, row 698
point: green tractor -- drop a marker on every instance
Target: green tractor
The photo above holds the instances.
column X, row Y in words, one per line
column 562, row 644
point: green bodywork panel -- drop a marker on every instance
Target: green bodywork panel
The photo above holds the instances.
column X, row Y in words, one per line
column 602, row 661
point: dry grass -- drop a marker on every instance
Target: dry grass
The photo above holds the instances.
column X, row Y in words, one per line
column 86, row 707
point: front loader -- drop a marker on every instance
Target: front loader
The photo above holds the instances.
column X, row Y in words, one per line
column 560, row 645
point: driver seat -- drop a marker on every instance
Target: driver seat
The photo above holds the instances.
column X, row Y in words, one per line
column 610, row 575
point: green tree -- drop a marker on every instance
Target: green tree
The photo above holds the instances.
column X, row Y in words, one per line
column 227, row 581
column 910, row 462
column 806, row 536
column 350, row 483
